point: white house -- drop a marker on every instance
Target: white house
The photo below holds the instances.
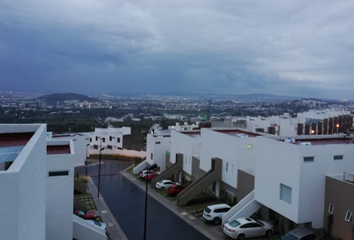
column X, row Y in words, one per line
column 36, row 175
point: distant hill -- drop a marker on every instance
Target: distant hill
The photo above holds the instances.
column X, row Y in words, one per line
column 61, row 97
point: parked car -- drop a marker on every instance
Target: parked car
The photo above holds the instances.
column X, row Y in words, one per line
column 303, row 234
column 243, row 228
column 85, row 215
column 144, row 173
column 151, row 176
column 101, row 225
column 215, row 212
column 164, row 184
column 175, row 189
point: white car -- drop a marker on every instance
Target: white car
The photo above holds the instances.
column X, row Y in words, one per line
column 243, row 228
column 144, row 173
column 164, row 184
column 215, row 212
column 101, row 225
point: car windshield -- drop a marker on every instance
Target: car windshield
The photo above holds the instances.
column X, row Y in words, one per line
column 207, row 210
column 289, row 236
column 81, row 212
column 234, row 223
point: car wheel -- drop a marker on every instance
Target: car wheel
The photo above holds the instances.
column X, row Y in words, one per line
column 269, row 233
column 217, row 221
column 241, row 237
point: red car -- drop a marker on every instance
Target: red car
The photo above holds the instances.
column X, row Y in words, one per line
column 175, row 189
column 151, row 176
column 87, row 215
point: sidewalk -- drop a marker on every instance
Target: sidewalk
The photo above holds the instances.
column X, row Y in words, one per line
column 210, row 231
column 113, row 228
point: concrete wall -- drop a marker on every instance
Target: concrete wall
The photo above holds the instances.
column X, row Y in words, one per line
column 186, row 144
column 59, row 210
column 246, row 184
column 234, row 152
column 23, row 188
column 83, row 230
column 156, row 147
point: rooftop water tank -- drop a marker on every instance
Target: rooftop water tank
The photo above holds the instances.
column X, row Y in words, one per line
column 290, row 140
column 305, row 143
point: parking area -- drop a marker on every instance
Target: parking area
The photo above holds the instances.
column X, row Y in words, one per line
column 193, row 211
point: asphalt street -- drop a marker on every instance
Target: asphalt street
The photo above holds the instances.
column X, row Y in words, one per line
column 127, row 203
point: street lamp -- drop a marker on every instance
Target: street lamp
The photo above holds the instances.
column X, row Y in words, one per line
column 146, row 196
column 86, row 158
column 99, row 173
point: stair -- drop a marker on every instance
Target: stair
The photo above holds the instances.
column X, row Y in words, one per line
column 202, row 183
column 169, row 171
column 244, row 208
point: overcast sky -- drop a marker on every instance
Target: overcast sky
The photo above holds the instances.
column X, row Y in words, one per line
column 296, row 48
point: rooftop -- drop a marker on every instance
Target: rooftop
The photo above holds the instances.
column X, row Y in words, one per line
column 11, row 144
column 237, row 133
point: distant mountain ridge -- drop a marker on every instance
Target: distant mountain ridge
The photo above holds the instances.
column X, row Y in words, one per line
column 61, row 97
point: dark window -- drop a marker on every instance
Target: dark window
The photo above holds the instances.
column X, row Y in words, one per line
column 338, row 157
column 158, row 142
column 152, row 156
column 110, row 138
column 103, row 140
column 58, row 173
column 90, row 139
column 96, row 138
column 227, row 166
column 118, row 140
column 119, row 148
column 109, row 147
column 95, row 146
column 309, row 159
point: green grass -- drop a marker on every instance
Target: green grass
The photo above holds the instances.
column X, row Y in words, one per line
column 86, row 199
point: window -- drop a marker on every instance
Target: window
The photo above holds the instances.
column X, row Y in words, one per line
column 118, row 140
column 103, row 140
column 285, row 193
column 109, row 147
column 90, row 139
column 120, row 148
column 309, row 159
column 152, row 156
column 58, row 173
column 110, row 138
column 348, row 216
column 338, row 157
column 95, row 146
column 157, row 142
column 96, row 138
column 227, row 166
column 330, row 208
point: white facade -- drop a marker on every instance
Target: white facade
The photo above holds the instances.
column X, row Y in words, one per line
column 235, row 152
column 23, row 187
column 156, row 148
column 188, row 144
column 36, row 190
column 81, row 143
column 283, row 163
column 109, row 138
column 60, row 192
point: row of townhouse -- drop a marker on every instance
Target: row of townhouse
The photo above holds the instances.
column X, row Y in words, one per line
column 291, row 181
column 111, row 139
column 313, row 122
column 36, row 184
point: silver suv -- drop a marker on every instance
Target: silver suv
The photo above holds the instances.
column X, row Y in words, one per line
column 215, row 212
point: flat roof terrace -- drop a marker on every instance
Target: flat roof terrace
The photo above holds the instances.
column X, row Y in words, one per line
column 58, row 149
column 320, row 139
column 11, row 144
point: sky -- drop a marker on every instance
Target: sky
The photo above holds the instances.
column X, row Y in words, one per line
column 291, row 48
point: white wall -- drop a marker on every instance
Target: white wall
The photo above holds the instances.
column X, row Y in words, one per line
column 277, row 163
column 84, row 230
column 187, row 145
column 60, row 193
column 233, row 151
column 80, row 142
column 23, row 188
column 157, row 145
column 282, row 163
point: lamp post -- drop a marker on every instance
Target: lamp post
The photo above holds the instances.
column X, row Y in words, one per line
column 146, row 196
column 99, row 173
column 86, row 158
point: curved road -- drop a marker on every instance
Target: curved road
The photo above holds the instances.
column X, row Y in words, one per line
column 127, row 203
